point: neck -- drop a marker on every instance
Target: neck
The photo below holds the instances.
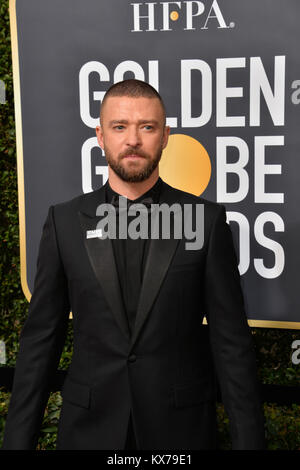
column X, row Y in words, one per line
column 131, row 190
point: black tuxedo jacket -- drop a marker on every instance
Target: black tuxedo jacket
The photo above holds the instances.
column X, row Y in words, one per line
column 164, row 372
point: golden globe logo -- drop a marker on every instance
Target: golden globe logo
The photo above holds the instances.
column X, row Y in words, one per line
column 156, row 16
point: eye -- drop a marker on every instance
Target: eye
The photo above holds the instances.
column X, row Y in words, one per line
column 148, row 127
column 119, row 127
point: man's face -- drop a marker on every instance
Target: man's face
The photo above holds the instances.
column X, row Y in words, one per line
column 133, row 135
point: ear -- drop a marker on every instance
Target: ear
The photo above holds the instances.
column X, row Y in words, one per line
column 99, row 134
column 166, row 136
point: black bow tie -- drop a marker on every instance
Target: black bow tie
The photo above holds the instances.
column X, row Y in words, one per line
column 147, row 201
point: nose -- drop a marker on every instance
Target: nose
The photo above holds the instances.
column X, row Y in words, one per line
column 133, row 137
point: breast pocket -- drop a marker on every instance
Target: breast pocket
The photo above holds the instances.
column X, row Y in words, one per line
column 185, row 267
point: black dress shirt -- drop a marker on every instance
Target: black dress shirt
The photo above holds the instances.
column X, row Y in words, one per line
column 131, row 255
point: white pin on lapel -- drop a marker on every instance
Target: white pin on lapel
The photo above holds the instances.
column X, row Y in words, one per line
column 94, row 233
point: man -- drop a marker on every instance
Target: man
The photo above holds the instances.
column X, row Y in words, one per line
column 142, row 372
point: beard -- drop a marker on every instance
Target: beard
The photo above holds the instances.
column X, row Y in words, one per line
column 131, row 173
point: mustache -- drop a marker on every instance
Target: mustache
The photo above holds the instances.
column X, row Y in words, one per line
column 133, row 151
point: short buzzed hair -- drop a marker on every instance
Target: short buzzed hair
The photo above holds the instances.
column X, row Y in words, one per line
column 134, row 89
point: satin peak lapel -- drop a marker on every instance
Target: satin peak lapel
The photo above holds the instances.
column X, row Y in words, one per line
column 101, row 256
column 161, row 252
column 160, row 256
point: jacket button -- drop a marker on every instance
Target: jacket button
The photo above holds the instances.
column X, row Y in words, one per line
column 132, row 358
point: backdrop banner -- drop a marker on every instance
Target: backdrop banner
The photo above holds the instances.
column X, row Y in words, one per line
column 228, row 71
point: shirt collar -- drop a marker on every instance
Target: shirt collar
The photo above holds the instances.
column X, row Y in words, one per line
column 153, row 192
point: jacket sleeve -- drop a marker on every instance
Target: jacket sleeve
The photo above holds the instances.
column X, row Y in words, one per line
column 41, row 341
column 231, row 340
